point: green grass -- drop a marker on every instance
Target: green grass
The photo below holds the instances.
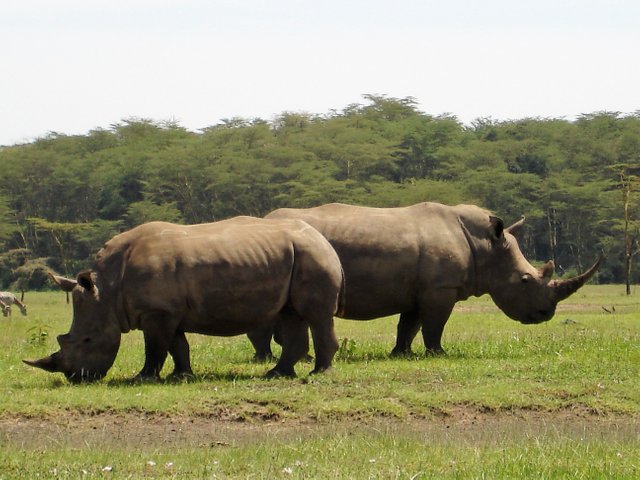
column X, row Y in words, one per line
column 583, row 357
column 584, row 363
column 345, row 455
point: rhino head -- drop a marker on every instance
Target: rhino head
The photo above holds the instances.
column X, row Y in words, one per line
column 523, row 292
column 90, row 348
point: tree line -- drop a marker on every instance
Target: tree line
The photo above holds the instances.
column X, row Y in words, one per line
column 577, row 182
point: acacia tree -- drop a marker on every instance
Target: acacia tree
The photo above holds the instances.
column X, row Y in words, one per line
column 72, row 244
column 629, row 184
column 562, row 175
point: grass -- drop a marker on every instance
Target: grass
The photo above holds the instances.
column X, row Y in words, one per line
column 584, row 357
column 579, row 372
column 373, row 456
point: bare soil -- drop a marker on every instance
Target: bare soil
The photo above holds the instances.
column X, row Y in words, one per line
column 462, row 425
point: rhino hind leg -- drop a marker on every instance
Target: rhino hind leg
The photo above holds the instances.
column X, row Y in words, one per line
column 261, row 341
column 277, row 337
column 408, row 327
column 325, row 344
column 434, row 315
column 432, row 330
column 295, row 344
column 179, row 351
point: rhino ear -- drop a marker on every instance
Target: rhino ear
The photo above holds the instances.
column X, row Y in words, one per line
column 496, row 231
column 85, row 281
column 66, row 284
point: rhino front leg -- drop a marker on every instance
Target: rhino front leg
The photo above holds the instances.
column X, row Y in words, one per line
column 159, row 332
column 155, row 354
column 408, row 328
column 434, row 313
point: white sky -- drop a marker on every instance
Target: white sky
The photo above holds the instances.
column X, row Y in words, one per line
column 73, row 65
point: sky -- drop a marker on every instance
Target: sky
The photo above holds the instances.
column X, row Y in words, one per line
column 70, row 66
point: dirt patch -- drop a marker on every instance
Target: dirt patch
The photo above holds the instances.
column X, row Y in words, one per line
column 461, row 425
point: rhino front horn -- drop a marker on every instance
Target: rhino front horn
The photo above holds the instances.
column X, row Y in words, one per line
column 50, row 363
column 565, row 288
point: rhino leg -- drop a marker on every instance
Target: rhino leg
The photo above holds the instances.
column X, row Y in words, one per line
column 160, row 332
column 179, row 351
column 295, row 344
column 261, row 341
column 277, row 337
column 408, row 328
column 325, row 342
column 434, row 313
column 155, row 354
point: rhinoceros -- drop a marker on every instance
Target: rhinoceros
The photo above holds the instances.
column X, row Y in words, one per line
column 224, row 278
column 420, row 260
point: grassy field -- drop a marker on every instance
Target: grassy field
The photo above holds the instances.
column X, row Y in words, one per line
column 558, row 400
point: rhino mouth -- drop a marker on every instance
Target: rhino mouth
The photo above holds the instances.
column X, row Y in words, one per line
column 56, row 363
column 84, row 376
column 539, row 316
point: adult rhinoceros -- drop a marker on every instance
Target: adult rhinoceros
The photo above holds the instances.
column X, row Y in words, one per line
column 223, row 278
column 420, row 260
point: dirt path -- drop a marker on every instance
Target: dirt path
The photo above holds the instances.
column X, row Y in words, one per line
column 465, row 425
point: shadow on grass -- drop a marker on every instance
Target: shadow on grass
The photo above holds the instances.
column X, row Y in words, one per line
column 183, row 379
column 354, row 356
column 121, row 382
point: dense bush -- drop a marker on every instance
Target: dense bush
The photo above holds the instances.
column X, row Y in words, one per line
column 62, row 196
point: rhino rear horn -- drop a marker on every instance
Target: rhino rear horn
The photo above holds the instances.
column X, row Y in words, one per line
column 50, row 363
column 548, row 269
column 565, row 288
column 516, row 228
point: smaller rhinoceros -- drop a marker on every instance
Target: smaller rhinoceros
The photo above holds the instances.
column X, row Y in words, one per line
column 224, row 278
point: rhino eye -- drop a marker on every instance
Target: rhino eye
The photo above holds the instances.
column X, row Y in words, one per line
column 86, row 340
column 526, row 278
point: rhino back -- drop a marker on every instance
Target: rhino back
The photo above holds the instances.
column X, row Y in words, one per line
column 391, row 255
column 218, row 278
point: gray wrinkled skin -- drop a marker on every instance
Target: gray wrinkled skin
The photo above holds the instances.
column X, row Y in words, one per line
column 224, row 278
column 420, row 260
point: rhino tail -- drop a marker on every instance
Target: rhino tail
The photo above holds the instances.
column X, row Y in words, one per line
column 342, row 308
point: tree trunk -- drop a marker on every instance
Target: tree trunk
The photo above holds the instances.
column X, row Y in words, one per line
column 631, row 248
column 553, row 235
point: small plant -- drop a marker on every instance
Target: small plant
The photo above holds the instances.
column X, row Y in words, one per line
column 38, row 335
column 347, row 348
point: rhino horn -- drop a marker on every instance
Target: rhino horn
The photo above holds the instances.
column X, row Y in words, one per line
column 66, row 284
column 548, row 269
column 565, row 288
column 50, row 363
column 516, row 228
